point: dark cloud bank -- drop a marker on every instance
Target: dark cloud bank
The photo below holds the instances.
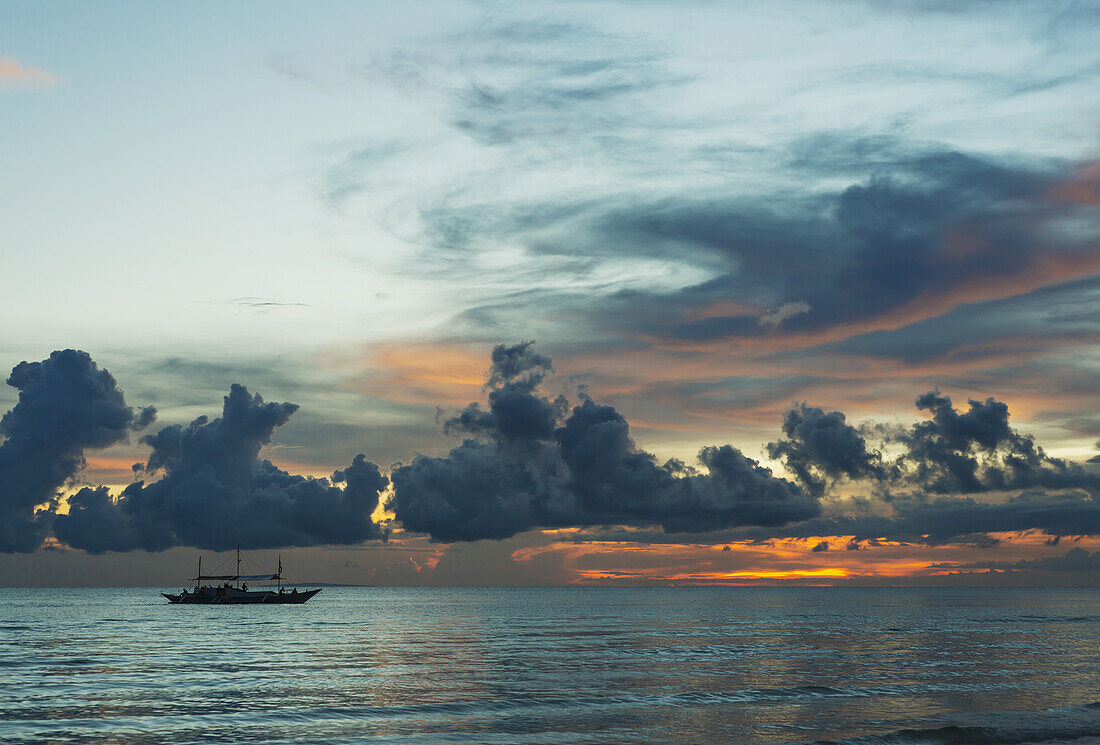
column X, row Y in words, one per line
column 1074, row 560
column 535, row 463
column 66, row 405
column 528, row 462
column 215, row 492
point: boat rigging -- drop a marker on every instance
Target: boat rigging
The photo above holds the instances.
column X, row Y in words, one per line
column 232, row 589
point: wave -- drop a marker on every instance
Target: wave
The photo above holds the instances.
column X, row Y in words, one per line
column 684, row 699
column 1063, row 724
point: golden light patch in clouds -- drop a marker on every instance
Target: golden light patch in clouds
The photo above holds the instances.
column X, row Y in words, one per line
column 788, row 574
column 381, row 514
column 14, row 74
column 99, row 467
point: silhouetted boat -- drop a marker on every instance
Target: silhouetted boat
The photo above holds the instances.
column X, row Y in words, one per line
column 233, row 589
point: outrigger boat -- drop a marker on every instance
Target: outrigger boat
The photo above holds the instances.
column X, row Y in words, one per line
column 233, row 589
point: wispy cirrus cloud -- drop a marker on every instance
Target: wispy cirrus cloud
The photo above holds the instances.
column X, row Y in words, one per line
column 708, row 232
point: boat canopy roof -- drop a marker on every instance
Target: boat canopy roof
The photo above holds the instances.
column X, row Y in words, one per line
column 233, row 577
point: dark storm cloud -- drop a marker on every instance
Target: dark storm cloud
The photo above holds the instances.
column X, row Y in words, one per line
column 920, row 496
column 515, row 415
column 1074, row 560
column 215, row 493
column 536, row 463
column 977, row 451
column 524, row 472
column 67, row 405
column 820, row 447
column 953, row 452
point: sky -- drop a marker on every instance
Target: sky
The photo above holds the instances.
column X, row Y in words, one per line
column 551, row 293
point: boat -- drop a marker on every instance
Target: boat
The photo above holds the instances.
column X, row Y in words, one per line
column 232, row 589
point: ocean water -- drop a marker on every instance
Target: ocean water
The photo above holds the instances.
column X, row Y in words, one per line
column 559, row 665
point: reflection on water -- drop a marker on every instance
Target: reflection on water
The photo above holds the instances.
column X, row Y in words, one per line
column 707, row 665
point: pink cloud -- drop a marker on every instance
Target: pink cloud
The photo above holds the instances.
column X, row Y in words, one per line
column 14, row 74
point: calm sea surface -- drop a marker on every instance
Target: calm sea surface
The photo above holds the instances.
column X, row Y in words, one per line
column 566, row 665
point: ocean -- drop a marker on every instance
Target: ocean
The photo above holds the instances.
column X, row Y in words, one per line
column 554, row 665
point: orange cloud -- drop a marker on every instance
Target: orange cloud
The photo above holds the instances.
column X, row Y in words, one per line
column 418, row 372
column 106, row 467
column 13, row 74
column 778, row 561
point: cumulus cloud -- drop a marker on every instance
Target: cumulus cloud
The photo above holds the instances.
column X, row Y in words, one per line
column 528, row 462
column 977, row 450
column 67, row 405
column 216, row 493
column 537, row 463
column 821, row 447
column 953, row 452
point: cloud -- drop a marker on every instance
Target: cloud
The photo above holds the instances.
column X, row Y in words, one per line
column 776, row 316
column 529, row 462
column 261, row 304
column 977, row 451
column 822, row 447
column 67, row 405
column 922, row 494
column 640, row 223
column 534, row 80
column 953, row 452
column 532, row 462
column 216, row 493
column 1074, row 560
column 14, row 74
column 537, row 463
column 942, row 520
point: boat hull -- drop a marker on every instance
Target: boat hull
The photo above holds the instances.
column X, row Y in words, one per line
column 240, row 597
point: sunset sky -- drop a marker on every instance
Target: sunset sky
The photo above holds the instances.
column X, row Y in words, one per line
column 801, row 292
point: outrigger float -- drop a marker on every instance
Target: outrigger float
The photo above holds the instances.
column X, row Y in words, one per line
column 233, row 589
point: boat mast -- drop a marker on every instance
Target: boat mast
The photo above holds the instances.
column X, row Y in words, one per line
column 280, row 571
column 198, row 577
column 238, row 565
